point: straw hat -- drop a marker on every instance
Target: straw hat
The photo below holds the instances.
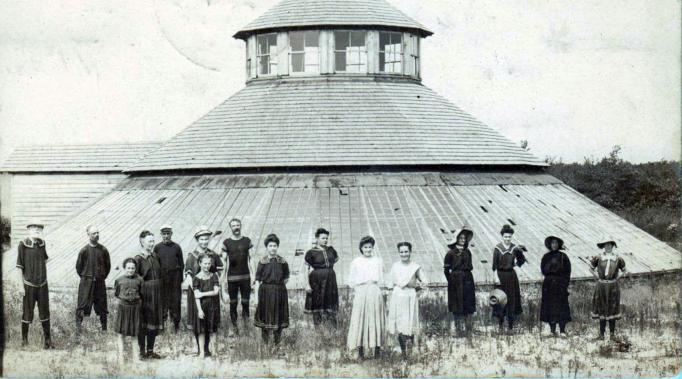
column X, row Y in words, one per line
column 607, row 240
column 37, row 223
column 497, row 296
column 202, row 231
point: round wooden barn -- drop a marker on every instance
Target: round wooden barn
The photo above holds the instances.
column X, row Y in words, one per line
column 334, row 129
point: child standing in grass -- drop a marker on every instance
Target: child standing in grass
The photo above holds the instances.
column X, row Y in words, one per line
column 367, row 320
column 128, row 291
column 206, row 288
column 607, row 268
column 272, row 312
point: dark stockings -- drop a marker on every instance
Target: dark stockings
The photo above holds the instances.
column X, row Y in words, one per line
column 266, row 335
column 602, row 327
column 562, row 326
column 149, row 336
column 402, row 340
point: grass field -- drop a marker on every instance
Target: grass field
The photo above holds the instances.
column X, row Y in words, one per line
column 651, row 325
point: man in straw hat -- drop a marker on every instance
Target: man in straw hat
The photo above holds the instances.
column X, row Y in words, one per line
column 172, row 266
column 31, row 261
column 608, row 267
column 93, row 266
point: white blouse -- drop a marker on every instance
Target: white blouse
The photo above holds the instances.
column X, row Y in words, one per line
column 366, row 270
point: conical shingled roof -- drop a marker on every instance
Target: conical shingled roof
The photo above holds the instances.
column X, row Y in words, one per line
column 308, row 13
column 335, row 122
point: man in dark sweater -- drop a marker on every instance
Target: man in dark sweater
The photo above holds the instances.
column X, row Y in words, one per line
column 31, row 262
column 93, row 266
column 172, row 267
column 239, row 282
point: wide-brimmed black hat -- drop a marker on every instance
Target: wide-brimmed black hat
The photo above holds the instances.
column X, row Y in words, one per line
column 464, row 230
column 607, row 240
column 548, row 242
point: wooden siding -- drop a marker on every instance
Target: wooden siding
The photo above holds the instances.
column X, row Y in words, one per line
column 75, row 158
column 301, row 13
column 335, row 122
column 50, row 198
column 392, row 208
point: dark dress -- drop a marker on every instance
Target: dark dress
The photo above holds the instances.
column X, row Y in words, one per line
column 191, row 269
column 149, row 269
column 272, row 311
column 504, row 260
column 210, row 305
column 457, row 267
column 128, row 291
column 606, row 299
column 325, row 292
column 556, row 267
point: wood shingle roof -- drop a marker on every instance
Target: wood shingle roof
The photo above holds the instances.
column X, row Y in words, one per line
column 75, row 158
column 335, row 122
column 326, row 13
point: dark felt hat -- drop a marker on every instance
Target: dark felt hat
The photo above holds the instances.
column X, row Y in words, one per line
column 549, row 239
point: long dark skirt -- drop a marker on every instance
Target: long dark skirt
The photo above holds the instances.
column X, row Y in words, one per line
column 509, row 284
column 461, row 293
column 128, row 320
column 325, row 294
column 272, row 311
column 606, row 301
column 152, row 305
column 211, row 320
column 554, row 304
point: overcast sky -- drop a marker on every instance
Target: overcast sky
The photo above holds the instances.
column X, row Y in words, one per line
column 573, row 78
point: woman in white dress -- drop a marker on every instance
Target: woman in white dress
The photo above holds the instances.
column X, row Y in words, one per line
column 367, row 320
column 403, row 308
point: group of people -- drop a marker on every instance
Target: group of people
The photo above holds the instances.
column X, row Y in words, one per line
column 149, row 291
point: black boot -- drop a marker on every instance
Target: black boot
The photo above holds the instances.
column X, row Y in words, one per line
column 403, row 345
column 104, row 324
column 47, row 335
column 24, row 334
column 361, row 352
column 377, row 352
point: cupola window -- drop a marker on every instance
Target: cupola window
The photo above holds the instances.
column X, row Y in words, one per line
column 350, row 51
column 267, row 54
column 391, row 52
column 305, row 52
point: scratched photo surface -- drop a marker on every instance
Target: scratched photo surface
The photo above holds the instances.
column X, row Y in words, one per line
column 188, row 188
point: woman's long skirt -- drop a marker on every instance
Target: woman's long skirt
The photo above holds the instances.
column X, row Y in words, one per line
column 606, row 301
column 367, row 319
column 325, row 292
column 554, row 305
column 128, row 320
column 509, row 283
column 272, row 312
column 152, row 305
column 211, row 321
column 403, row 312
column 461, row 293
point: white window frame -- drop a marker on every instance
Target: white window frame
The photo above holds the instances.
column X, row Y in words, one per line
column 401, row 55
column 360, row 52
column 415, row 55
column 272, row 56
column 305, row 54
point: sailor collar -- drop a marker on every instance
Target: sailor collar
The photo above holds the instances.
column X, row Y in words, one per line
column 28, row 242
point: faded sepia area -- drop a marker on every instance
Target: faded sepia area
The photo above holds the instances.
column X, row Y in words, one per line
column 528, row 154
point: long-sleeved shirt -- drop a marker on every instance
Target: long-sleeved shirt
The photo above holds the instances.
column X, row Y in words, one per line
column 556, row 263
column 366, row 270
column 505, row 258
column 457, row 260
column 320, row 257
column 93, row 261
column 128, row 288
column 148, row 267
column 170, row 256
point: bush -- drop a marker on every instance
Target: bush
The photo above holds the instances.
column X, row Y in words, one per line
column 645, row 194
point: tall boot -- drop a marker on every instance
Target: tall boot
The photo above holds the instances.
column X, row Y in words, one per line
column 377, row 352
column 24, row 333
column 103, row 321
column 403, row 345
column 141, row 338
column 47, row 336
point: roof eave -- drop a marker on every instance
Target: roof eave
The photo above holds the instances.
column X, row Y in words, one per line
column 245, row 33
